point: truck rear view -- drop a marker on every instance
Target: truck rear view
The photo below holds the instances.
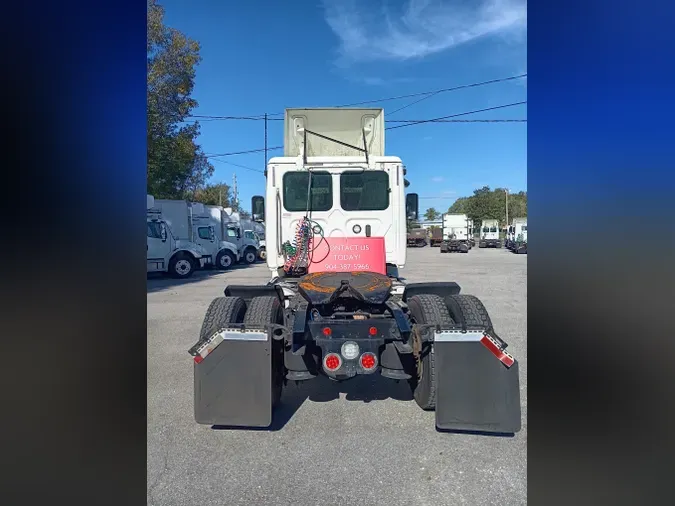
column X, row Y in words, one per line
column 335, row 214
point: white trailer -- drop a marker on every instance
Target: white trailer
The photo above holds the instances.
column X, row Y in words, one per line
column 347, row 319
column 489, row 234
column 168, row 253
column 455, row 233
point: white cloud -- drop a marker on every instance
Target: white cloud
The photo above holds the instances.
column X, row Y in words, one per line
column 437, row 179
column 424, row 27
column 449, row 192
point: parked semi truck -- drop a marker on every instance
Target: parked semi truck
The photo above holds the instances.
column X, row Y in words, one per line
column 513, row 231
column 229, row 228
column 489, row 235
column 417, row 237
column 520, row 234
column 471, row 232
column 455, row 233
column 192, row 221
column 335, row 306
column 436, row 236
column 166, row 252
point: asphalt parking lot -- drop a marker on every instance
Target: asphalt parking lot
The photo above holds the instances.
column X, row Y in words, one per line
column 360, row 442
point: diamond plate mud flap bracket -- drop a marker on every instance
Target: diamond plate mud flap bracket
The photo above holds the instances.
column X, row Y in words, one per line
column 478, row 388
column 233, row 378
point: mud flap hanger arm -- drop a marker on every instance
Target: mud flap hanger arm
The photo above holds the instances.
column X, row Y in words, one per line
column 363, row 150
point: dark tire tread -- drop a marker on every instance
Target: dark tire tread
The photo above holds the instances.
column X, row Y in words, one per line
column 261, row 312
column 468, row 310
column 430, row 309
column 221, row 311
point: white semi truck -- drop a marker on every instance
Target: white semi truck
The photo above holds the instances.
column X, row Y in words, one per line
column 230, row 228
column 489, row 234
column 472, row 232
column 191, row 221
column 514, row 231
column 520, row 237
column 335, row 193
column 166, row 252
column 455, row 233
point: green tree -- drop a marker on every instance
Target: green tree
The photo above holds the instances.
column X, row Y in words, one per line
column 431, row 214
column 177, row 166
column 218, row 194
column 459, row 206
column 491, row 204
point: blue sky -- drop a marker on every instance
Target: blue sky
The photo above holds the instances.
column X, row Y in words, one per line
column 261, row 56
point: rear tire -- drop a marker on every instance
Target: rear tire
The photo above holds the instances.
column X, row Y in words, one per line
column 468, row 310
column 221, row 312
column 427, row 309
column 261, row 312
column 262, row 254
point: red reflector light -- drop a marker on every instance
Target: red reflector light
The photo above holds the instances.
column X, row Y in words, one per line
column 368, row 360
column 326, row 331
column 372, row 331
column 502, row 356
column 198, row 359
column 332, row 362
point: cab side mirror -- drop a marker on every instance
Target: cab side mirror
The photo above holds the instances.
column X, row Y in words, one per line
column 412, row 206
column 258, row 208
column 162, row 231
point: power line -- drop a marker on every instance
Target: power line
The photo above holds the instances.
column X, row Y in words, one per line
column 243, row 152
column 238, row 165
column 459, row 121
column 433, row 94
column 425, row 94
column 456, row 115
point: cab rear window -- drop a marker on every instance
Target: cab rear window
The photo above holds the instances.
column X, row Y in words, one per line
column 364, row 190
column 295, row 186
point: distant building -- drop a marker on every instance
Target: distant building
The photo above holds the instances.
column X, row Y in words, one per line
column 428, row 224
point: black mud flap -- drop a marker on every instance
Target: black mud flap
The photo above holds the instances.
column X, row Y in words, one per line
column 233, row 379
column 478, row 388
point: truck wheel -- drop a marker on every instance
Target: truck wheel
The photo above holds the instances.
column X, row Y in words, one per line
column 261, row 312
column 225, row 259
column 221, row 312
column 263, row 254
column 427, row 309
column 182, row 265
column 468, row 310
column 250, row 255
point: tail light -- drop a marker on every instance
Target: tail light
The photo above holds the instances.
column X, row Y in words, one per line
column 332, row 362
column 368, row 361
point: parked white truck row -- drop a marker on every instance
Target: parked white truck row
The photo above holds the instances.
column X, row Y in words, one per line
column 186, row 236
column 458, row 233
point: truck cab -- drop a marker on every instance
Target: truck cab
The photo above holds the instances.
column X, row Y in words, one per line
column 455, row 233
column 489, row 235
column 166, row 253
column 245, row 241
column 223, row 254
column 520, row 241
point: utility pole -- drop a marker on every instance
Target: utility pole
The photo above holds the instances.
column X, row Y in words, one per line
column 506, row 194
column 234, row 192
column 265, row 164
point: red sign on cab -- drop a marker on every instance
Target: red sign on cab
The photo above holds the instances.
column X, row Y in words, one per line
column 349, row 254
